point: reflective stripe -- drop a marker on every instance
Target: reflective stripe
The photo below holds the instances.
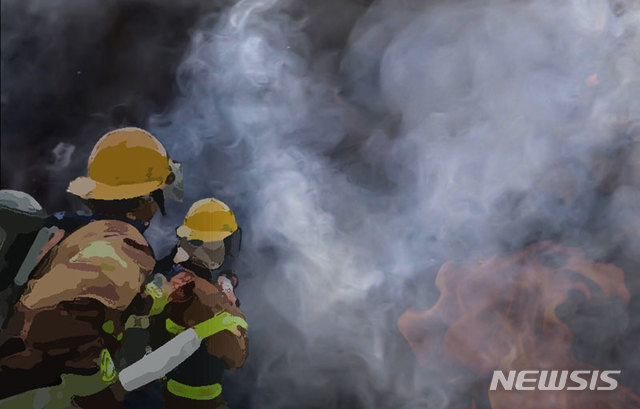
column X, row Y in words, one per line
column 108, row 327
column 172, row 327
column 206, row 392
column 160, row 299
column 107, row 368
column 220, row 322
column 137, row 321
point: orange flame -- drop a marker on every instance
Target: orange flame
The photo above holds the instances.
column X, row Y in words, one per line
column 500, row 315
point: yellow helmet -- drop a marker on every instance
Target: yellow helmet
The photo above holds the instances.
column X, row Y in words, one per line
column 208, row 220
column 124, row 164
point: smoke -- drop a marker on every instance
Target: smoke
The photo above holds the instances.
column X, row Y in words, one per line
column 361, row 146
column 441, row 131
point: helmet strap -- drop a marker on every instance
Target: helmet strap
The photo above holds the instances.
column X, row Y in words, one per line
column 158, row 197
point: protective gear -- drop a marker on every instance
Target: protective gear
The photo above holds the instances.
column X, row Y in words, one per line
column 221, row 321
column 60, row 396
column 113, row 249
column 233, row 243
column 108, row 372
column 174, row 190
column 208, row 220
column 158, row 197
column 194, row 300
column 209, row 233
column 225, row 341
column 152, row 366
column 166, row 358
column 209, row 255
column 22, row 236
column 32, row 257
column 73, row 306
column 21, row 216
column 184, row 297
column 160, row 292
column 21, row 203
column 124, row 164
column 205, row 392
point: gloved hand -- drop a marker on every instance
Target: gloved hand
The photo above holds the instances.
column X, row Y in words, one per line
column 220, row 322
column 160, row 291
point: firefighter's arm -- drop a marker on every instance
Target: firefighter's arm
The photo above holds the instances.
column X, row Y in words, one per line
column 157, row 295
column 228, row 338
column 230, row 343
column 232, row 349
column 164, row 359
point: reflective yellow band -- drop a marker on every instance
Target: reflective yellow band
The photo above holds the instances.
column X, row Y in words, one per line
column 206, row 392
column 172, row 327
column 108, row 327
column 220, row 322
column 160, row 299
column 107, row 368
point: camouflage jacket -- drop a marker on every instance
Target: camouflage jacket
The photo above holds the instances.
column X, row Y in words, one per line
column 73, row 305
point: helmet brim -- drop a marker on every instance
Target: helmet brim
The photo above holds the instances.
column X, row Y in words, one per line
column 88, row 188
column 191, row 234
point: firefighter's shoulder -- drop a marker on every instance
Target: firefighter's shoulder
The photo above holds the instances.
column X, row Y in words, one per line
column 107, row 260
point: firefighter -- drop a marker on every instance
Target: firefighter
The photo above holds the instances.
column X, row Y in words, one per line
column 21, row 236
column 188, row 288
column 69, row 320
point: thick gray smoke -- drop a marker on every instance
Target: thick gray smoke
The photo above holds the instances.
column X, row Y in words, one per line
column 449, row 131
column 362, row 149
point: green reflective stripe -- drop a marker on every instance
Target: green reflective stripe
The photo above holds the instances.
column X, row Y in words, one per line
column 108, row 327
column 102, row 250
column 220, row 322
column 172, row 327
column 206, row 392
column 107, row 368
column 160, row 299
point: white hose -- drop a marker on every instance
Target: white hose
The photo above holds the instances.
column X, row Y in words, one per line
column 161, row 361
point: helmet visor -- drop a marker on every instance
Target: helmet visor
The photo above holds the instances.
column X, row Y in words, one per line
column 233, row 243
column 207, row 254
column 174, row 190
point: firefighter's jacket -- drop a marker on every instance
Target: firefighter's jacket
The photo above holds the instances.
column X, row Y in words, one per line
column 72, row 307
column 194, row 300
